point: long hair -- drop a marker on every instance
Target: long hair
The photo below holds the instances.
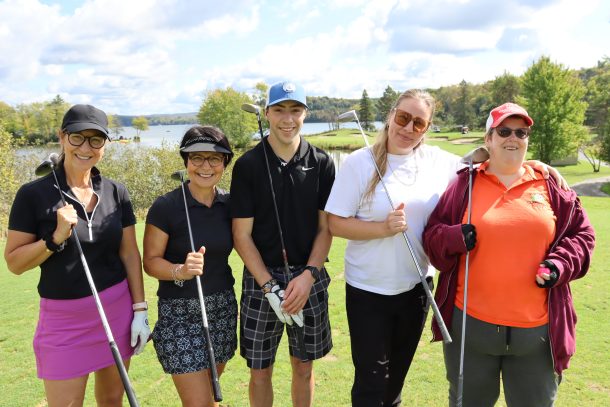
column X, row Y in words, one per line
column 380, row 148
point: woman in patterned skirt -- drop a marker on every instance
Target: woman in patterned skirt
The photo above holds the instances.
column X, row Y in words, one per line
column 178, row 335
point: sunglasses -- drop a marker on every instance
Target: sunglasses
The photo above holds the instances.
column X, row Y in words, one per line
column 403, row 118
column 77, row 140
column 213, row 160
column 505, row 132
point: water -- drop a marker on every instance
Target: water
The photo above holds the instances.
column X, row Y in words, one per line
column 156, row 135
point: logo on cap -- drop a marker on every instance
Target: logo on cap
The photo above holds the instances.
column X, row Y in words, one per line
column 289, row 87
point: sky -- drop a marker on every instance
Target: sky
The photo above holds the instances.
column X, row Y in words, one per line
column 163, row 56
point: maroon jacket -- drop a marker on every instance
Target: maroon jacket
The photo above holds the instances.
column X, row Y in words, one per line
column 570, row 252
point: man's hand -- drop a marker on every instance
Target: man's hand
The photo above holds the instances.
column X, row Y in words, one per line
column 297, row 293
column 275, row 295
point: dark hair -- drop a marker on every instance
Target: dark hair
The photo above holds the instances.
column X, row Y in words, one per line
column 206, row 131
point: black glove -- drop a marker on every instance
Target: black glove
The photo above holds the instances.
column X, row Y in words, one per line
column 470, row 235
column 553, row 274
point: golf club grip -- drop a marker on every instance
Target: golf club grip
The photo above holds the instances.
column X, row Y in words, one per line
column 301, row 343
column 437, row 315
column 213, row 371
column 131, row 396
column 460, row 391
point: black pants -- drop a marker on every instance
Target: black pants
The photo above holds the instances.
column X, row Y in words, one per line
column 384, row 333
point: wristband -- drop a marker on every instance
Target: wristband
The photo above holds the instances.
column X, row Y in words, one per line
column 140, row 305
column 177, row 280
column 315, row 272
column 51, row 245
column 266, row 288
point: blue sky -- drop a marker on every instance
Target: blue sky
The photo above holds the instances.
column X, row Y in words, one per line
column 144, row 57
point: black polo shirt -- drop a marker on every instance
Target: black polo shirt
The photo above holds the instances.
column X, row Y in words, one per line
column 301, row 189
column 211, row 228
column 62, row 275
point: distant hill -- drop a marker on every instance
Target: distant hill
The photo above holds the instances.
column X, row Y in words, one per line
column 156, row 119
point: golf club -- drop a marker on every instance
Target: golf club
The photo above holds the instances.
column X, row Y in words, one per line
column 478, row 155
column 179, row 176
column 46, row 167
column 250, row 108
column 352, row 116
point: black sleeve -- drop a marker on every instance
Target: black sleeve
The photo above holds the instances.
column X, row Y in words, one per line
column 23, row 212
column 158, row 214
column 128, row 218
column 327, row 178
column 242, row 189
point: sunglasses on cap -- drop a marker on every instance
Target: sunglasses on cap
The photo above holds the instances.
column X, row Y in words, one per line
column 403, row 118
column 505, row 132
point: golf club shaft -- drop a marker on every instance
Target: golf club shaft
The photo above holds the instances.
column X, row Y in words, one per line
column 422, row 277
column 299, row 330
column 460, row 387
column 131, row 396
column 206, row 329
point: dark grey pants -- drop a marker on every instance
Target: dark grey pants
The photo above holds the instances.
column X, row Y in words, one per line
column 522, row 356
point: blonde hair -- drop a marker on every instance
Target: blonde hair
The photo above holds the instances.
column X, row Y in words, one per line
column 380, row 148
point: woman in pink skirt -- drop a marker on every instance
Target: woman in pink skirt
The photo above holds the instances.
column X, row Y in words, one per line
column 70, row 341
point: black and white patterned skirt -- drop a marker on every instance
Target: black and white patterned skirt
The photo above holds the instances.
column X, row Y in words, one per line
column 178, row 335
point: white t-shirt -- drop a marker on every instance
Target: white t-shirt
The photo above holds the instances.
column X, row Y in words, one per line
column 418, row 179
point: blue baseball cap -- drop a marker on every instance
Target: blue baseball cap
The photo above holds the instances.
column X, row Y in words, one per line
column 286, row 90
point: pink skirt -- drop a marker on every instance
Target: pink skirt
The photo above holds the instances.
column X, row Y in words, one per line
column 70, row 340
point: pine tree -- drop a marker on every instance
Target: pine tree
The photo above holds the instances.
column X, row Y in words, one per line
column 365, row 112
column 385, row 103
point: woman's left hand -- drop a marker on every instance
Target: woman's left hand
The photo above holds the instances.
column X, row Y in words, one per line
column 547, row 170
column 140, row 331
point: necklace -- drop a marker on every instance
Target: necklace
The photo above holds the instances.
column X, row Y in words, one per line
column 406, row 174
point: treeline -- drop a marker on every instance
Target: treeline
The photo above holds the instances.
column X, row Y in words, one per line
column 160, row 119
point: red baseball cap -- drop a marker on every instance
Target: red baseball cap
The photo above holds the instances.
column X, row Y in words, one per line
column 497, row 115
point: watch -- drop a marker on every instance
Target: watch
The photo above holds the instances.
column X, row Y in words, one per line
column 51, row 245
column 315, row 272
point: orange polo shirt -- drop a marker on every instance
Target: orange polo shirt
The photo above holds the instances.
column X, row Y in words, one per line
column 515, row 227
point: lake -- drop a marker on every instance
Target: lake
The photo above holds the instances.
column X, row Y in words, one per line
column 155, row 135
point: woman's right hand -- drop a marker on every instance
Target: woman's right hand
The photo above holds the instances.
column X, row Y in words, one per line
column 193, row 265
column 66, row 219
column 396, row 222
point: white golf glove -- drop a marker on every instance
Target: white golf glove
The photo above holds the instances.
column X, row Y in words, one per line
column 275, row 296
column 140, row 331
column 298, row 318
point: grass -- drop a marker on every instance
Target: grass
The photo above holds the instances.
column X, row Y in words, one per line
column 606, row 188
column 585, row 383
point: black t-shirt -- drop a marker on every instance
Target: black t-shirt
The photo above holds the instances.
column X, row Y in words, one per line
column 62, row 275
column 211, row 228
column 301, row 189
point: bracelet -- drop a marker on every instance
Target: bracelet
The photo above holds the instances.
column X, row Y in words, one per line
column 177, row 280
column 141, row 306
column 266, row 288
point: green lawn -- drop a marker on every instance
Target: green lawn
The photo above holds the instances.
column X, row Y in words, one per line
column 585, row 383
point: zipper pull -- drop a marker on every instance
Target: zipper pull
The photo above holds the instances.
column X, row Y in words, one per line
column 89, row 225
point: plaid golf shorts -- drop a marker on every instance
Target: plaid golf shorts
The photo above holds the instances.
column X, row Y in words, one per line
column 261, row 331
column 179, row 338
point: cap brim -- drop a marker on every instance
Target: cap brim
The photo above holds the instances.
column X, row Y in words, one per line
column 205, row 147
column 275, row 102
column 497, row 122
column 76, row 127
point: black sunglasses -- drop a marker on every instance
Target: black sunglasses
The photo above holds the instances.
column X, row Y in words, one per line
column 505, row 132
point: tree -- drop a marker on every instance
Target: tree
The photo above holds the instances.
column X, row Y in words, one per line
column 260, row 98
column 140, row 124
column 553, row 98
column 365, row 112
column 115, row 126
column 598, row 112
column 463, row 109
column 385, row 103
column 222, row 108
column 505, row 88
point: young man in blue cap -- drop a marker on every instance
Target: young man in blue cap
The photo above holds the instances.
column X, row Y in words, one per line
column 302, row 176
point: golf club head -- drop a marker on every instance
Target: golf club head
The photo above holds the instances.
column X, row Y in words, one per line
column 347, row 116
column 476, row 156
column 179, row 175
column 250, row 108
column 47, row 165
